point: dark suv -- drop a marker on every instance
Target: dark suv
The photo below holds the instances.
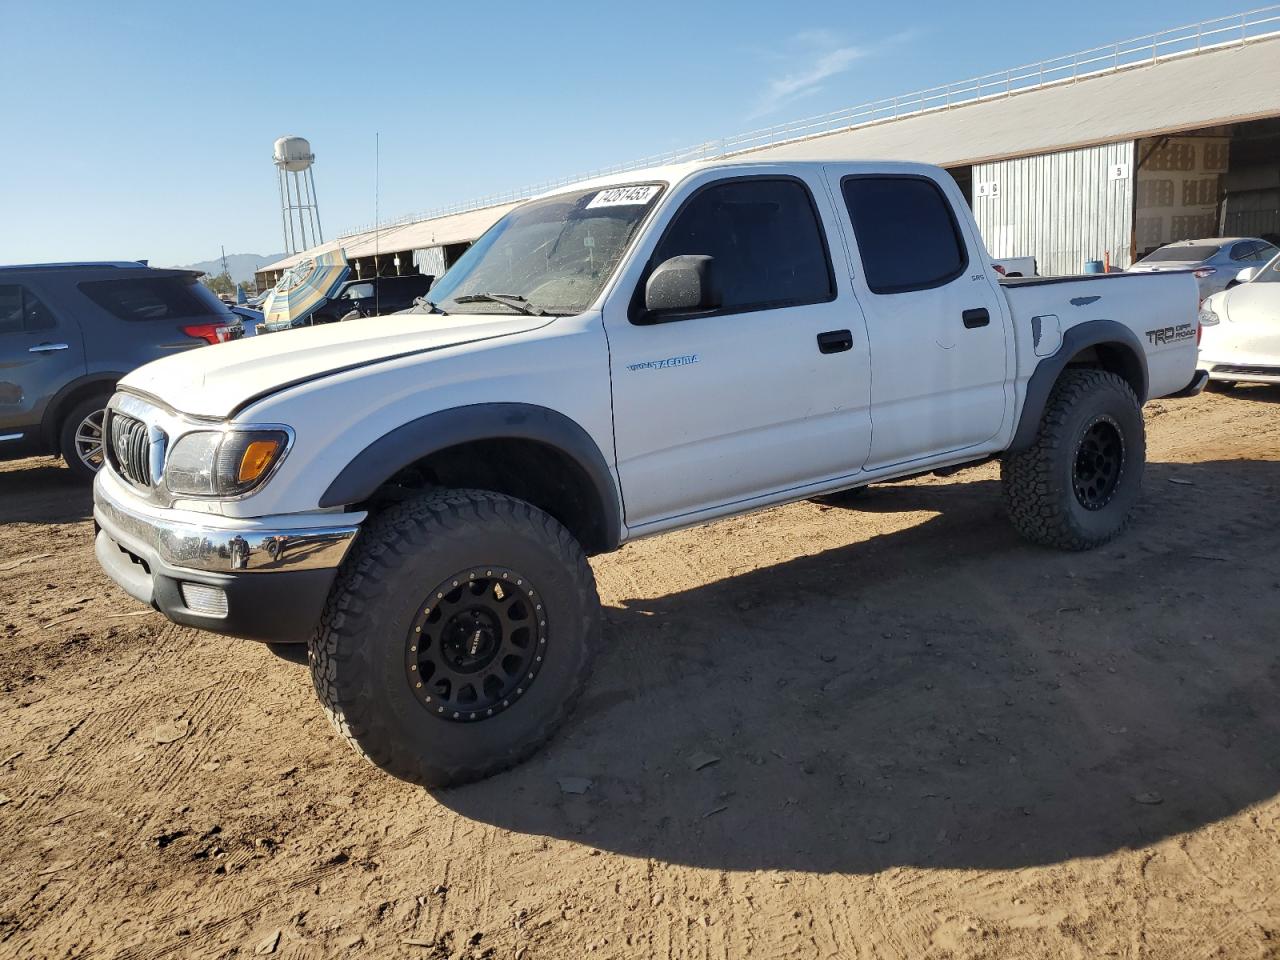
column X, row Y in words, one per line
column 69, row 331
column 370, row 297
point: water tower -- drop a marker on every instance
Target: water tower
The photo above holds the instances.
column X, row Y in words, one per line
column 299, row 211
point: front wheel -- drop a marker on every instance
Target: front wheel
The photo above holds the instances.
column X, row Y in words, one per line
column 458, row 636
column 1076, row 486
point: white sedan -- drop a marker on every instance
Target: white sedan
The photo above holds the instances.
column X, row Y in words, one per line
column 1240, row 338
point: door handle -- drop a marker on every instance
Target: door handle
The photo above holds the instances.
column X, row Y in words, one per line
column 835, row 341
column 47, row 347
column 977, row 317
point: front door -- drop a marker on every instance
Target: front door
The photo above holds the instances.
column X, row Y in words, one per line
column 39, row 354
column 936, row 317
column 767, row 392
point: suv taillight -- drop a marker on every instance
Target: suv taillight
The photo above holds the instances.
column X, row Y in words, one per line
column 210, row 332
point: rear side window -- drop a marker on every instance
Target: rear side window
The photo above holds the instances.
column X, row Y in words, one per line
column 765, row 237
column 21, row 311
column 907, row 234
column 153, row 298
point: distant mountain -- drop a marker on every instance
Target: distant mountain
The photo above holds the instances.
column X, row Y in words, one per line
column 239, row 265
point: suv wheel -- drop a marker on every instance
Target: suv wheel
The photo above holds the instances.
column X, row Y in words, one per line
column 1076, row 486
column 458, row 636
column 80, row 441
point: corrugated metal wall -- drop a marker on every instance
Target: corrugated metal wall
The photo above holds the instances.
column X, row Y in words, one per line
column 1062, row 208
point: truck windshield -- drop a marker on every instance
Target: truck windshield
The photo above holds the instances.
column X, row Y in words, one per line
column 549, row 256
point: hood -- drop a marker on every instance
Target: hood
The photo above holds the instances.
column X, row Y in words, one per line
column 213, row 381
column 1257, row 303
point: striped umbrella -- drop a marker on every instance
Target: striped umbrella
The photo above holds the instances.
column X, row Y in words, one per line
column 305, row 286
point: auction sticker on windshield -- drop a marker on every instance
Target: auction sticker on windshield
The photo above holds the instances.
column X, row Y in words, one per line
column 625, row 196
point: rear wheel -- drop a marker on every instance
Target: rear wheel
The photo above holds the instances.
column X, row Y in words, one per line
column 80, row 441
column 458, row 636
column 1075, row 487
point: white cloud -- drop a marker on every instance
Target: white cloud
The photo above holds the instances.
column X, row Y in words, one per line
column 822, row 54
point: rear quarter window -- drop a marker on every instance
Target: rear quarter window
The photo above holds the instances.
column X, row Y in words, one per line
column 153, row 298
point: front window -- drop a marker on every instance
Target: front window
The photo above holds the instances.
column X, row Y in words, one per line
column 552, row 255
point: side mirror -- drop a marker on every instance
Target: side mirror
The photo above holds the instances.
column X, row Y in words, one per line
column 682, row 284
column 1247, row 274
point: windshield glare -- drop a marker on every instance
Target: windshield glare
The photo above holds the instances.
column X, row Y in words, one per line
column 556, row 253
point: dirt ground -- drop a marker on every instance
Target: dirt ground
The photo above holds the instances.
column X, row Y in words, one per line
column 932, row 740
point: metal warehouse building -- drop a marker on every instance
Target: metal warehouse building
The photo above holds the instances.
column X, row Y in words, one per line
column 1103, row 154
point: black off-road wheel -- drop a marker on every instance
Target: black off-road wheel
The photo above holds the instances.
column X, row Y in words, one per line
column 458, row 636
column 1076, row 486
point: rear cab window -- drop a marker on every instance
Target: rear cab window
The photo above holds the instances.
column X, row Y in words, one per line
column 907, row 234
column 140, row 299
column 766, row 239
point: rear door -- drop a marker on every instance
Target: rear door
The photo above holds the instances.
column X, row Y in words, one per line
column 940, row 336
column 40, row 353
column 765, row 394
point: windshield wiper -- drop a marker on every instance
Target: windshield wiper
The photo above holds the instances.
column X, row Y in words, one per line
column 506, row 299
column 431, row 307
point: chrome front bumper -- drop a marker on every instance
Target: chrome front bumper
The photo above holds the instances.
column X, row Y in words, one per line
column 210, row 571
column 239, row 546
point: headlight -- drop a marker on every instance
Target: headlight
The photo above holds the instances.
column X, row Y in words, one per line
column 215, row 463
column 1207, row 317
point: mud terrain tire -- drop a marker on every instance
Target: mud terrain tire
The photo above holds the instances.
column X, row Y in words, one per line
column 374, row 689
column 1075, row 487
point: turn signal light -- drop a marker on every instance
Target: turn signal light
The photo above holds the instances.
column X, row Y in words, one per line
column 1204, row 272
column 256, row 458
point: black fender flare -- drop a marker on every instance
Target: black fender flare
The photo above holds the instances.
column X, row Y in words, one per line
column 1092, row 333
column 389, row 454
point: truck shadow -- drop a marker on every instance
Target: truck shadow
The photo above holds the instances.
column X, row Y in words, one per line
column 43, row 490
column 942, row 695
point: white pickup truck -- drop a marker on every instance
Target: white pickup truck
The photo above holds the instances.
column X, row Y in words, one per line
column 415, row 495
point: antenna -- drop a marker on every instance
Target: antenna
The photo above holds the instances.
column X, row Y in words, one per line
column 377, row 176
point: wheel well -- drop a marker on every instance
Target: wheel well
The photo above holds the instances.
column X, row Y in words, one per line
column 61, row 405
column 1117, row 358
column 529, row 470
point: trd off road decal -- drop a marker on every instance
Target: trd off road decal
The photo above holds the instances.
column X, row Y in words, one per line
column 660, row 364
column 1183, row 331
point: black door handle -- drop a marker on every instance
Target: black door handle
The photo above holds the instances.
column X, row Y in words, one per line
column 977, row 317
column 835, row 341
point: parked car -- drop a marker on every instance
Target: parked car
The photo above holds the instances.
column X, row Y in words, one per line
column 250, row 317
column 70, row 331
column 416, row 495
column 1241, row 329
column 370, row 297
column 1215, row 262
column 1015, row 266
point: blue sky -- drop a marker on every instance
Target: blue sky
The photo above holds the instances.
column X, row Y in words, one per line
column 144, row 130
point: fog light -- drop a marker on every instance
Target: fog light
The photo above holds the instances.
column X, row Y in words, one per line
column 204, row 600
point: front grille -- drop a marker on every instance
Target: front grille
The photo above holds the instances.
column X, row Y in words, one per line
column 130, row 448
